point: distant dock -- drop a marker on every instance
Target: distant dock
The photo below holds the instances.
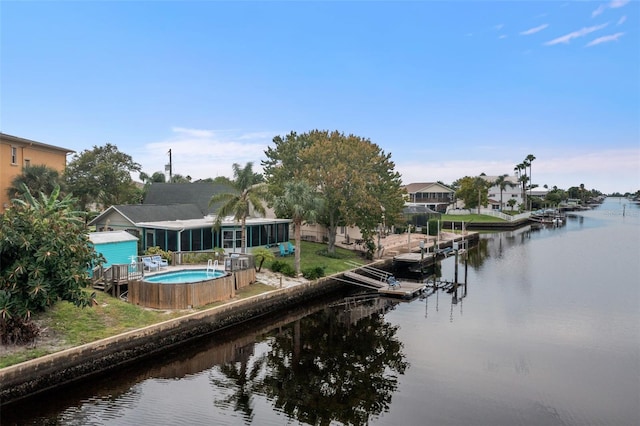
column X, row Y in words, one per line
column 378, row 280
column 422, row 257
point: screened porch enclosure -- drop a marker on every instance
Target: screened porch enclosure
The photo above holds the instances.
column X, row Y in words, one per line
column 205, row 238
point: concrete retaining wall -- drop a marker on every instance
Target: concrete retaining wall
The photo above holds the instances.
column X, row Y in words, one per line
column 62, row 367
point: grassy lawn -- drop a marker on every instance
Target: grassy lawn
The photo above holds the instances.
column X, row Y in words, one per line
column 470, row 218
column 71, row 326
column 311, row 257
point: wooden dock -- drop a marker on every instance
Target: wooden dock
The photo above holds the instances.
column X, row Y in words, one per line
column 378, row 281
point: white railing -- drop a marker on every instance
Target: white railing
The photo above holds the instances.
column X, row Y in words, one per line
column 490, row 212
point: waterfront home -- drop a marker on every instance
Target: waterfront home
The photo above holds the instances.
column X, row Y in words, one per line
column 512, row 191
column 177, row 217
column 433, row 195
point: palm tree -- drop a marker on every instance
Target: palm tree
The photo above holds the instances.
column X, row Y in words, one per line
column 37, row 179
column 529, row 160
column 300, row 203
column 520, row 168
column 502, row 182
column 246, row 194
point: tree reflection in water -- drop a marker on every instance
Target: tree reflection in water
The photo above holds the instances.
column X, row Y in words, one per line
column 338, row 365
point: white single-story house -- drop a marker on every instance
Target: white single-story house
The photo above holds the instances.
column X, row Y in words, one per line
column 168, row 220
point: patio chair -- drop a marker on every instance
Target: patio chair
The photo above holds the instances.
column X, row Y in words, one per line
column 160, row 261
column 283, row 250
column 393, row 282
column 292, row 248
column 149, row 264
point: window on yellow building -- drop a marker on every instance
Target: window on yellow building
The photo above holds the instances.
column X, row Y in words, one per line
column 14, row 155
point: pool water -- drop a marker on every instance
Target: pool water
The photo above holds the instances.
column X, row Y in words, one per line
column 180, row 277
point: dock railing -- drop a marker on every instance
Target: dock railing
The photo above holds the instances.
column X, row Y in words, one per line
column 491, row 212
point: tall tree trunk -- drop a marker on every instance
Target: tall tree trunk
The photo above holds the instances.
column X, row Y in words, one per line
column 243, row 239
column 297, row 225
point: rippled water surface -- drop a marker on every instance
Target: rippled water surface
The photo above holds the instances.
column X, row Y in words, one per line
column 547, row 332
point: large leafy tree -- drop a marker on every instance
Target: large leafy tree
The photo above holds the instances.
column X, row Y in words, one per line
column 102, row 176
column 301, row 203
column 355, row 178
column 246, row 194
column 44, row 255
column 349, row 370
column 37, row 178
column 473, row 191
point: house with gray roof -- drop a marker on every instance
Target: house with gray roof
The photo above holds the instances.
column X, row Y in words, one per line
column 433, row 195
column 177, row 217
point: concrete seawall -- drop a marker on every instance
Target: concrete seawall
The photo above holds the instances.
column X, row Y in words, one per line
column 37, row 375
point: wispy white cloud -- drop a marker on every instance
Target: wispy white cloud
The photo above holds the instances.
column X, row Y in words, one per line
column 605, row 39
column 613, row 4
column 598, row 11
column 193, row 132
column 203, row 153
column 617, row 3
column 499, row 27
column 575, row 34
column 501, row 36
column 534, row 29
column 621, row 20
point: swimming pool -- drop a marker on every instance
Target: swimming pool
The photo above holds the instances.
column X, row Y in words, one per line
column 184, row 289
column 185, row 276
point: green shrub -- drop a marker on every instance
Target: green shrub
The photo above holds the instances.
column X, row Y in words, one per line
column 166, row 255
column 288, row 270
column 44, row 253
column 313, row 273
column 198, row 258
column 433, row 227
column 278, row 265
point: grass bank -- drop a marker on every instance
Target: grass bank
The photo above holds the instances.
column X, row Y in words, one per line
column 313, row 255
column 65, row 325
column 478, row 218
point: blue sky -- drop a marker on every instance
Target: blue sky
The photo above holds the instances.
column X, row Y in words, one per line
column 449, row 88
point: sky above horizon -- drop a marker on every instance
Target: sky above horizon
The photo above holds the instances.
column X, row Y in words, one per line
column 449, row 88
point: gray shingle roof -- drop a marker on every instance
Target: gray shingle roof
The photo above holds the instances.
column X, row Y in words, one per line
column 197, row 193
column 154, row 213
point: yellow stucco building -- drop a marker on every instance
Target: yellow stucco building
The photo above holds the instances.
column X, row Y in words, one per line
column 17, row 153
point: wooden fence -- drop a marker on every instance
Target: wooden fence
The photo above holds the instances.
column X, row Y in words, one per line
column 183, row 295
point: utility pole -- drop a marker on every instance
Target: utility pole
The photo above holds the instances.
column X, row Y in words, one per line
column 169, row 167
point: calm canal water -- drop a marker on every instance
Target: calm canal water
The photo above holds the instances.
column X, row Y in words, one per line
column 547, row 333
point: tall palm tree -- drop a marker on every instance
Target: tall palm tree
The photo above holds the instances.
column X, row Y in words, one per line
column 522, row 172
column 529, row 160
column 246, row 194
column 300, row 203
column 502, row 182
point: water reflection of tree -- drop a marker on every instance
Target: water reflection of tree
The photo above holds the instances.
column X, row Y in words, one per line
column 323, row 370
column 477, row 254
column 240, row 378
